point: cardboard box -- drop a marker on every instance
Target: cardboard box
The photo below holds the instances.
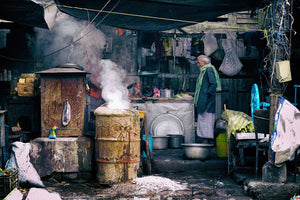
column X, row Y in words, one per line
column 283, row 71
column 26, row 89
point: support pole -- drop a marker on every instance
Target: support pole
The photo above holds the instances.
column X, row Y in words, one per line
column 273, row 109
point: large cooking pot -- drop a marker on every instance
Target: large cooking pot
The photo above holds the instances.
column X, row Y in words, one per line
column 160, row 142
column 166, row 93
column 175, row 141
column 196, row 151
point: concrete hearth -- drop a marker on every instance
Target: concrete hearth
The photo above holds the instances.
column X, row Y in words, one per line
column 66, row 154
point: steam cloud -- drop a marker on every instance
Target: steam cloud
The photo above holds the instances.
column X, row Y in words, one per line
column 86, row 52
column 113, row 91
column 68, row 30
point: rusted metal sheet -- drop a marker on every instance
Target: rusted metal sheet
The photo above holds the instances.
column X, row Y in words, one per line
column 55, row 89
column 117, row 145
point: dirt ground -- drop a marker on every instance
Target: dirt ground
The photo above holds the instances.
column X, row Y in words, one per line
column 198, row 185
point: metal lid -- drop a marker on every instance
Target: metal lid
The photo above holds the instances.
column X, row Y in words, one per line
column 64, row 69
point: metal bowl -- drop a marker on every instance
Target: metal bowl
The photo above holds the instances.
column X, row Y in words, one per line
column 196, row 151
column 160, row 142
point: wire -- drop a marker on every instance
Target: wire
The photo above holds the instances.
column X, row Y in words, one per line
column 96, row 15
column 278, row 22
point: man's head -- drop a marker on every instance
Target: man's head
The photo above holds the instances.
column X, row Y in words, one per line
column 203, row 60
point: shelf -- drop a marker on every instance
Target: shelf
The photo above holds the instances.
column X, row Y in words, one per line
column 169, row 75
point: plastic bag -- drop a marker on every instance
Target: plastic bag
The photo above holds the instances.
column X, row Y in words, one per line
column 66, row 117
column 210, row 43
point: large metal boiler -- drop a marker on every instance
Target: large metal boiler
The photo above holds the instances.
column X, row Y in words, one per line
column 58, row 84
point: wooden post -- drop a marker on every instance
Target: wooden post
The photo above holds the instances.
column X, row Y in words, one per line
column 273, row 109
column 228, row 134
column 2, row 136
column 148, row 153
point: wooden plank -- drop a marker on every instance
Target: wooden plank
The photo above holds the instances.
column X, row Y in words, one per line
column 50, row 104
column 2, row 131
column 273, row 109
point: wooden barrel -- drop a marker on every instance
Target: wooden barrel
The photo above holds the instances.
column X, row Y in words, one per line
column 117, row 144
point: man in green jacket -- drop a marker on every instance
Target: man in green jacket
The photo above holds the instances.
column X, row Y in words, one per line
column 208, row 83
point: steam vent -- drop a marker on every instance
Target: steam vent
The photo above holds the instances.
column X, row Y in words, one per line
column 117, row 144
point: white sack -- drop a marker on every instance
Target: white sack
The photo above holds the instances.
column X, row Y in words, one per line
column 20, row 159
column 210, row 43
column 231, row 64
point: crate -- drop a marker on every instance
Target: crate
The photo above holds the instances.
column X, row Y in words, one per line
column 8, row 181
column 26, row 89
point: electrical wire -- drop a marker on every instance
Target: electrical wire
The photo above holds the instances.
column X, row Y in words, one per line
column 278, row 22
column 96, row 14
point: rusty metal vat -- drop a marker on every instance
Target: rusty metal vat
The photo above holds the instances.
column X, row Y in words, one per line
column 117, row 144
column 57, row 85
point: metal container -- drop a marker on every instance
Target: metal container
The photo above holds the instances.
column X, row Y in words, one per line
column 175, row 141
column 117, row 144
column 166, row 93
column 160, row 142
column 196, row 151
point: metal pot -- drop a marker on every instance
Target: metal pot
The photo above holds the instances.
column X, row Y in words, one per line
column 197, row 151
column 160, row 142
column 175, row 141
column 166, row 93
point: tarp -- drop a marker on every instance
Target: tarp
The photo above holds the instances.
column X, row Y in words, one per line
column 23, row 12
column 146, row 15
column 153, row 15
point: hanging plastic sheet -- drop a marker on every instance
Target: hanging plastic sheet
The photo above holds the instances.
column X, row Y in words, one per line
column 286, row 132
column 231, row 64
column 210, row 43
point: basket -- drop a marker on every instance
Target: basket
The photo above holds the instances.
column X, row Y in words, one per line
column 8, row 181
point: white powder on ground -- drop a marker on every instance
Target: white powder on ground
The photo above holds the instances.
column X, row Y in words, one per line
column 156, row 183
